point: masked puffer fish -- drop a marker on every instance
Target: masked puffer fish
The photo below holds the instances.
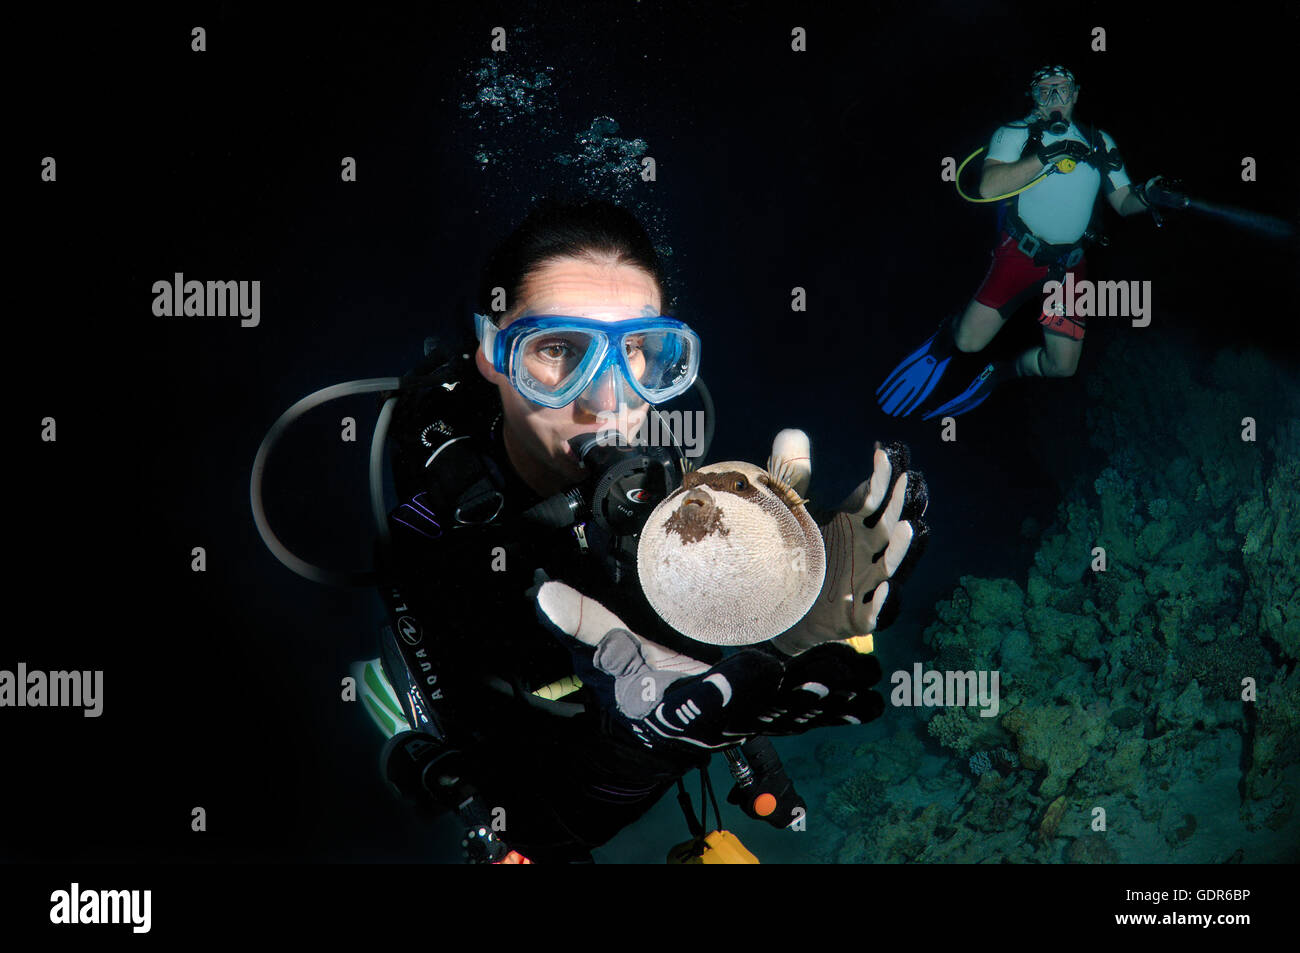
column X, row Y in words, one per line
column 732, row 557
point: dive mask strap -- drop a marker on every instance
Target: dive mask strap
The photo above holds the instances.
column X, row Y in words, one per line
column 486, row 330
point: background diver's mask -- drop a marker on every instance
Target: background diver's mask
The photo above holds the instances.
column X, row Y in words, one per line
column 553, row 360
column 1059, row 94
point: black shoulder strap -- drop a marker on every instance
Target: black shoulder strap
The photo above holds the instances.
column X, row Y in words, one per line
column 1089, row 133
column 443, row 414
column 1096, row 224
column 1112, row 161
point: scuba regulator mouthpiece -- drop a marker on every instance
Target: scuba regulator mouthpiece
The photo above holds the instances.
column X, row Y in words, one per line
column 628, row 480
column 625, row 482
column 1056, row 123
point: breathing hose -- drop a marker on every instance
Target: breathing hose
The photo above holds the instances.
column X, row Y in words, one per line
column 1064, row 164
column 325, row 395
column 377, row 506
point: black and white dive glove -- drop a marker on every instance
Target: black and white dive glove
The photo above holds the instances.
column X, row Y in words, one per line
column 669, row 700
column 873, row 540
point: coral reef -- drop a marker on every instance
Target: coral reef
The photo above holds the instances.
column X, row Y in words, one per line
column 1270, row 547
column 1127, row 730
column 1056, row 739
column 1276, row 736
column 1000, row 759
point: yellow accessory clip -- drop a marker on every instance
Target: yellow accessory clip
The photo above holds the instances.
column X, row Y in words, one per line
column 557, row 690
column 865, row 644
column 720, row 847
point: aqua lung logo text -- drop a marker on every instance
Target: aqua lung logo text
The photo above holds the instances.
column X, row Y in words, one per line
column 430, row 679
column 409, row 630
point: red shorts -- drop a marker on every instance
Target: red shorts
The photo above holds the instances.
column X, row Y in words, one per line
column 1012, row 278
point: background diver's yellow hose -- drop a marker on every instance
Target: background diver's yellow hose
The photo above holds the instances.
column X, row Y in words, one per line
column 1064, row 165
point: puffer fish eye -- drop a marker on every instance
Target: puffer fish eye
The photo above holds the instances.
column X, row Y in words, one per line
column 741, row 484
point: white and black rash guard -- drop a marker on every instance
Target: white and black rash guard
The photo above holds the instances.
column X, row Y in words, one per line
column 1058, row 208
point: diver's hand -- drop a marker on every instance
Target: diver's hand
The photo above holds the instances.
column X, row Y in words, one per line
column 1062, row 149
column 872, row 542
column 1161, row 192
column 665, row 698
column 826, row 685
column 669, row 700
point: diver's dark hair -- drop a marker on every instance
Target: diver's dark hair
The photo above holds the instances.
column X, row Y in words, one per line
column 556, row 228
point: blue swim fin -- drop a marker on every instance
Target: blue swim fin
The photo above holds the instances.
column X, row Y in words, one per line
column 971, row 397
column 915, row 377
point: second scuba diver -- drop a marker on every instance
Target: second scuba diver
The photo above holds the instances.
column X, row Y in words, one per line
column 496, row 462
column 1044, row 231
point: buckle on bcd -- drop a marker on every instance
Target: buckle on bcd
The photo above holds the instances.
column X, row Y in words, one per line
column 1028, row 239
column 479, row 505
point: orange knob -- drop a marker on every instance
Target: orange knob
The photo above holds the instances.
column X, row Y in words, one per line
column 764, row 805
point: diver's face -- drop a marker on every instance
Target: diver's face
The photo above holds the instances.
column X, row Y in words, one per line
column 1060, row 95
column 537, row 437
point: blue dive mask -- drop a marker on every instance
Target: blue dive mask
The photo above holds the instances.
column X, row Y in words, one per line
column 553, row 359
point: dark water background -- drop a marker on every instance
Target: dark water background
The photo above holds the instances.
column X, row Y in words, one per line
column 774, row 170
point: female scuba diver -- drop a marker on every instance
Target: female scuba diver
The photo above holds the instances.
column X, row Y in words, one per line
column 504, row 463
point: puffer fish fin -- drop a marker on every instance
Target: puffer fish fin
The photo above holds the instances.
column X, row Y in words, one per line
column 782, row 470
column 790, row 462
column 778, row 468
column 783, row 489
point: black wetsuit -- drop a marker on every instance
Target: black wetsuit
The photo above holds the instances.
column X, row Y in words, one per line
column 567, row 784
